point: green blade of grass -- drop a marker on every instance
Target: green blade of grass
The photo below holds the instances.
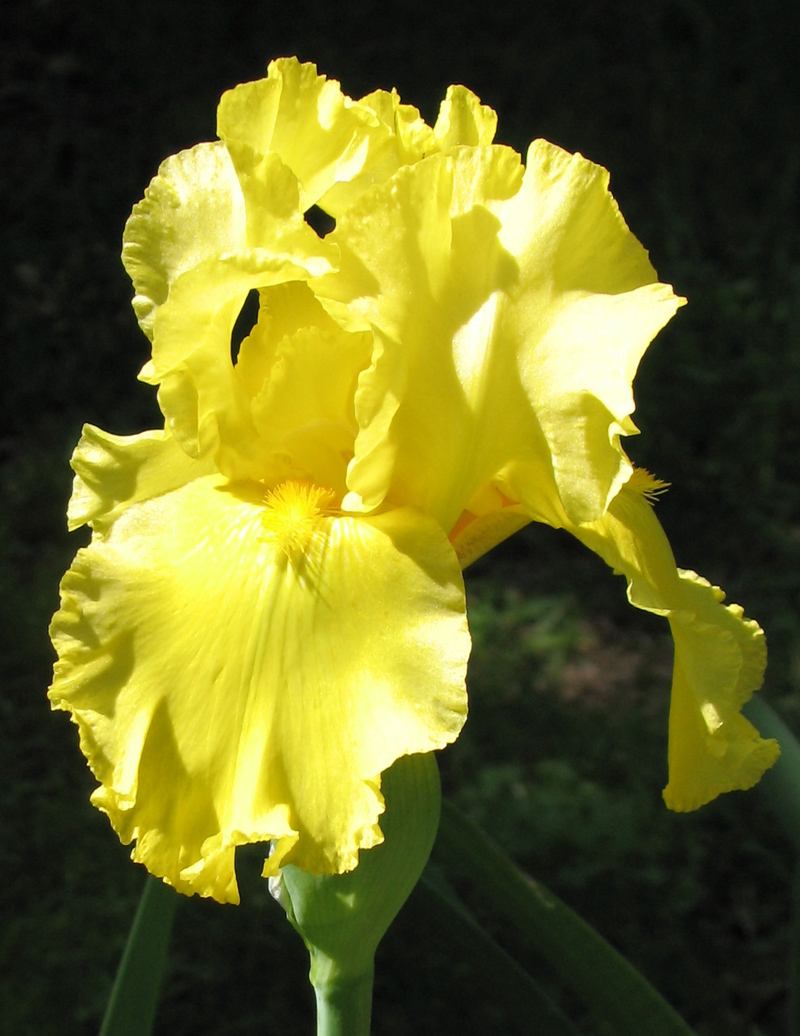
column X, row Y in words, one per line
column 134, row 997
column 612, row 989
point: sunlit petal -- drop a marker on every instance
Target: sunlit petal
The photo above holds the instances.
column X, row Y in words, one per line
column 463, row 120
column 304, row 119
column 243, row 668
column 114, row 471
column 192, row 211
column 509, row 316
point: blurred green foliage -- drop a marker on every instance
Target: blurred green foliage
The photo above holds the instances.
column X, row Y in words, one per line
column 693, row 105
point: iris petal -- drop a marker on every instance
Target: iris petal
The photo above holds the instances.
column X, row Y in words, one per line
column 586, row 305
column 410, row 273
column 509, row 312
column 114, row 471
column 463, row 120
column 299, row 370
column 192, row 211
column 306, row 120
column 234, row 685
column 719, row 656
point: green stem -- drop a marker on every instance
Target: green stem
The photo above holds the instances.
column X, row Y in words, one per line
column 344, row 1006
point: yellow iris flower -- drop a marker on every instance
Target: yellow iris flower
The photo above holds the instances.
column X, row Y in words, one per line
column 271, row 610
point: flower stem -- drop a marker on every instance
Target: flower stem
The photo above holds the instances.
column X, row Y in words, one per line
column 344, row 1006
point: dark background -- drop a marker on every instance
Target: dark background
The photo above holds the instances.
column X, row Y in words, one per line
column 693, row 106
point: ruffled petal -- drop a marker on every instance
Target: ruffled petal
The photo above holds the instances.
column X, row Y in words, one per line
column 112, row 472
column 192, row 211
column 243, row 669
column 336, row 147
column 463, row 120
column 304, row 118
column 720, row 656
column 409, row 274
column 302, row 376
column 509, row 316
column 403, row 138
column 187, row 247
column 584, row 309
column 199, row 394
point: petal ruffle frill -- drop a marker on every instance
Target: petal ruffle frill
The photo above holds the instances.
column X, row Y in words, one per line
column 236, row 684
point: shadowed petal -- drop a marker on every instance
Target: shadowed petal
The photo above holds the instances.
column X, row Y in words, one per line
column 719, row 655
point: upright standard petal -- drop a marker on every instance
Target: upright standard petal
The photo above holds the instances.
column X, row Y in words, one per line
column 299, row 370
column 192, row 211
column 719, row 655
column 337, row 147
column 409, row 273
column 509, row 315
column 464, row 121
column 304, row 118
column 187, row 248
column 585, row 308
column 243, row 667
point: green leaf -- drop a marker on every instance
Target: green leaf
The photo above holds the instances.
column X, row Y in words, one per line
column 534, row 1009
column 780, row 786
column 793, row 1006
column 134, row 998
column 779, row 789
column 613, row 990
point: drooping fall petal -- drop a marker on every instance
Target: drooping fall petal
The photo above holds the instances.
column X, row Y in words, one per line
column 719, row 654
column 112, row 472
column 244, row 669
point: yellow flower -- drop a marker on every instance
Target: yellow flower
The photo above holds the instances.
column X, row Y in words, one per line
column 271, row 609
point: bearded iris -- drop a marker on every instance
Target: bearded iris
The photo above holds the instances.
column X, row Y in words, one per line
column 271, row 610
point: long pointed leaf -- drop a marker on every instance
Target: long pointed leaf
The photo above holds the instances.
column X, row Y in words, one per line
column 607, row 983
column 780, row 785
column 536, row 1011
column 134, row 997
column 779, row 790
